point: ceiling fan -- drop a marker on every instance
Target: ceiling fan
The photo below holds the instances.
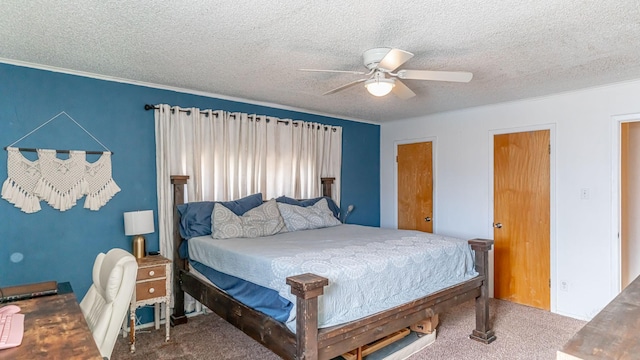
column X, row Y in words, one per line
column 381, row 80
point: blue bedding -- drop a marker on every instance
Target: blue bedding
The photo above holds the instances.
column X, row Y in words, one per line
column 257, row 297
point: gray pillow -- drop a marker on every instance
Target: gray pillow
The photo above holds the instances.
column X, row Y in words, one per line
column 195, row 217
column 306, row 218
column 263, row 220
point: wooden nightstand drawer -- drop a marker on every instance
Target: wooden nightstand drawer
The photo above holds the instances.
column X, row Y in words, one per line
column 151, row 272
column 150, row 289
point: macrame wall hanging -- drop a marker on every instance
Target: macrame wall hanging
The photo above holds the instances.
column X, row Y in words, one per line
column 59, row 182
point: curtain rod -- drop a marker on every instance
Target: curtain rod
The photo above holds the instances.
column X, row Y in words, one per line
column 148, row 107
column 152, row 107
column 63, row 151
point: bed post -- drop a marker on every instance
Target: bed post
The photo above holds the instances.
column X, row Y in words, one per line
column 307, row 288
column 178, row 182
column 483, row 331
column 326, row 185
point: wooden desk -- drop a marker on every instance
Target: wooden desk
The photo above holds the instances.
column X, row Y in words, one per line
column 54, row 328
column 614, row 333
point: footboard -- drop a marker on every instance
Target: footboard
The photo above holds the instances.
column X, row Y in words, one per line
column 328, row 343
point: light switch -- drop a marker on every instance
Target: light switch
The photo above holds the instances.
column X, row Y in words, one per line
column 584, row 194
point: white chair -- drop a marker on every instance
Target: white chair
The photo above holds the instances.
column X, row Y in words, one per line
column 106, row 303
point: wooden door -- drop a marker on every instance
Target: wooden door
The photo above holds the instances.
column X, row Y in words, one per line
column 415, row 186
column 522, row 218
column 629, row 202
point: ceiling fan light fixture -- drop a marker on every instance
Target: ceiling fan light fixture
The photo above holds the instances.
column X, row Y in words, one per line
column 379, row 86
column 385, row 74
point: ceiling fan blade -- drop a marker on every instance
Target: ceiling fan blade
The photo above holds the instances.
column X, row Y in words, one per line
column 344, row 86
column 456, row 76
column 335, row 71
column 402, row 91
column 393, row 59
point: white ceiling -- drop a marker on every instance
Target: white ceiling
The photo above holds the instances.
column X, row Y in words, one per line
column 251, row 50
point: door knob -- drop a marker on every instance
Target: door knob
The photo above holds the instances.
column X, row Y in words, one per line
column 497, row 225
column 427, row 219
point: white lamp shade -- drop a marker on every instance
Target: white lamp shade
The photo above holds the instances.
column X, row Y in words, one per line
column 138, row 222
column 379, row 86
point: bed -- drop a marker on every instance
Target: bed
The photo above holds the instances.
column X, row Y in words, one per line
column 309, row 332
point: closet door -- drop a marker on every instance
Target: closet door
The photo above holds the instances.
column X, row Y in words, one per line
column 522, row 218
column 415, row 186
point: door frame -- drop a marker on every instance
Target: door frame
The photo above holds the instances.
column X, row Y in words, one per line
column 616, row 203
column 434, row 166
column 552, row 203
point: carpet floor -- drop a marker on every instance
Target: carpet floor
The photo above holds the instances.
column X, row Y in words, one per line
column 522, row 333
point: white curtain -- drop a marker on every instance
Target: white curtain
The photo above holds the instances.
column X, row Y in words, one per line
column 232, row 155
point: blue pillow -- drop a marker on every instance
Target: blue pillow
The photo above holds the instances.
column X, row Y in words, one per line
column 195, row 217
column 309, row 202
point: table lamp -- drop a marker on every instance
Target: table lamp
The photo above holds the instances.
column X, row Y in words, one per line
column 137, row 223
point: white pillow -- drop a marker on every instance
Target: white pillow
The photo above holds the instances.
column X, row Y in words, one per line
column 305, row 218
column 263, row 220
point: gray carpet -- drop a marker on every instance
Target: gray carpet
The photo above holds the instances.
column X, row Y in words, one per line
column 523, row 333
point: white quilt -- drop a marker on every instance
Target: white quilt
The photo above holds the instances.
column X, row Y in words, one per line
column 369, row 269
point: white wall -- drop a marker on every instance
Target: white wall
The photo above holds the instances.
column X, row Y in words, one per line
column 584, row 249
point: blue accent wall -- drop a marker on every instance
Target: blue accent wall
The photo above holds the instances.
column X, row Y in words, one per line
column 62, row 245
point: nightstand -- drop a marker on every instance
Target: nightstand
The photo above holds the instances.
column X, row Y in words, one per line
column 153, row 287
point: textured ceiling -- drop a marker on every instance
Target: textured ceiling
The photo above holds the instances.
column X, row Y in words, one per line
column 251, row 50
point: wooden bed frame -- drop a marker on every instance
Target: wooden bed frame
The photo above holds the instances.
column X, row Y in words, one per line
column 309, row 342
